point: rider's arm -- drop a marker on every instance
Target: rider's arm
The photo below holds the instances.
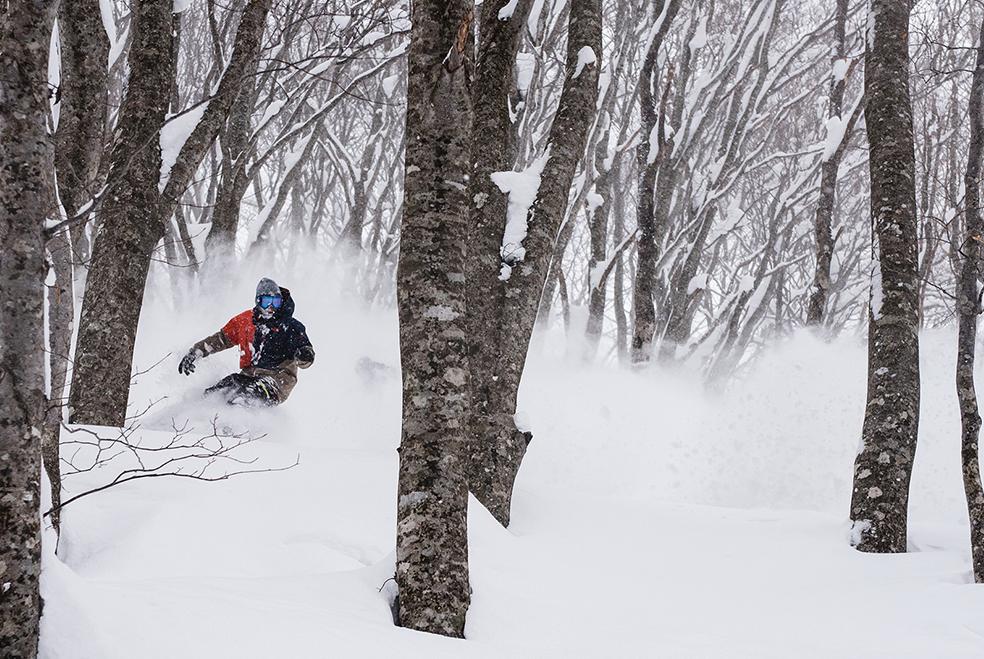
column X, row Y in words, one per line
column 224, row 339
column 215, row 343
column 303, row 350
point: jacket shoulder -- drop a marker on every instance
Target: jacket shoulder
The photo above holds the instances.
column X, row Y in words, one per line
column 237, row 325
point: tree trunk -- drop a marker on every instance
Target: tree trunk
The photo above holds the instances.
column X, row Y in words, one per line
column 883, row 466
column 350, row 238
column 498, row 445
column 647, row 247
column 968, row 308
column 26, row 200
column 598, row 229
column 432, row 510
column 221, row 240
column 618, row 287
column 135, row 212
column 83, row 91
column 828, row 175
column 128, row 231
column 61, row 317
column 79, row 144
column 492, row 150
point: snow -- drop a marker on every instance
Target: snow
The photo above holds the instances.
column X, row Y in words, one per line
column 507, row 10
column 271, row 111
column 108, row 20
column 595, row 273
column 594, row 201
column 697, row 283
column 533, row 21
column 174, row 134
column 651, row 518
column 585, row 56
column 835, row 127
column 877, row 293
column 390, row 83
column 525, row 67
column 522, row 188
column 839, row 69
column 181, row 5
column 54, row 71
column 699, row 40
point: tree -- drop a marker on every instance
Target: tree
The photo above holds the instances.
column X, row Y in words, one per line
column 828, row 172
column 79, row 142
column 127, row 234
column 968, row 308
column 883, row 466
column 517, row 252
column 432, row 510
column 26, row 199
column 649, row 165
column 138, row 204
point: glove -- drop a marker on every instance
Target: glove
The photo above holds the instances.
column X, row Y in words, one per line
column 304, row 354
column 187, row 365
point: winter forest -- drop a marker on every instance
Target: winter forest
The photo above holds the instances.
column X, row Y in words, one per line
column 495, row 328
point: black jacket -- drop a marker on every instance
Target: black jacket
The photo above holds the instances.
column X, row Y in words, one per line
column 281, row 337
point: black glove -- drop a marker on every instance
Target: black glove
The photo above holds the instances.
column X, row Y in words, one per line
column 187, row 365
column 304, row 354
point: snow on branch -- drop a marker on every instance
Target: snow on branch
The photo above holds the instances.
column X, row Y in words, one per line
column 522, row 188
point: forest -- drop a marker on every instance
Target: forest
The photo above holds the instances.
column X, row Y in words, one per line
column 635, row 309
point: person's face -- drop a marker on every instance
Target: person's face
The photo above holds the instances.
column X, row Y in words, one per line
column 268, row 305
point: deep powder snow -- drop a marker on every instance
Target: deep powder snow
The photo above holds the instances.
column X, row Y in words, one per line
column 651, row 518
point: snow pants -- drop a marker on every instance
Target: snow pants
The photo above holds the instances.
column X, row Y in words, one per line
column 247, row 390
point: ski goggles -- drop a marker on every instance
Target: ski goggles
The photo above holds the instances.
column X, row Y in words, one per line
column 267, row 301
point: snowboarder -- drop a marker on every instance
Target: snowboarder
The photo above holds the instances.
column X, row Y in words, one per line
column 272, row 345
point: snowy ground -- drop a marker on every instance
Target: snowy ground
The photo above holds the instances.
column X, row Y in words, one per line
column 650, row 519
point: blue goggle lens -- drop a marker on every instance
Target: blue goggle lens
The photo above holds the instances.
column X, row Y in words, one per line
column 266, row 301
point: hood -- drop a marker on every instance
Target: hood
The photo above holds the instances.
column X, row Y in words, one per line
column 285, row 311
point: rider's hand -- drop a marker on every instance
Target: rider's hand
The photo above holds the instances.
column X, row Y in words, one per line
column 304, row 354
column 187, row 365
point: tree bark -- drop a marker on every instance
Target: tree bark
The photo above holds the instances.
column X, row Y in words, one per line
column 968, row 308
column 498, row 445
column 883, row 466
column 221, row 239
column 129, row 231
column 26, row 200
column 650, row 237
column 79, row 144
column 60, row 302
column 136, row 213
column 828, row 176
column 492, row 150
column 83, row 92
column 432, row 510
column 598, row 231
